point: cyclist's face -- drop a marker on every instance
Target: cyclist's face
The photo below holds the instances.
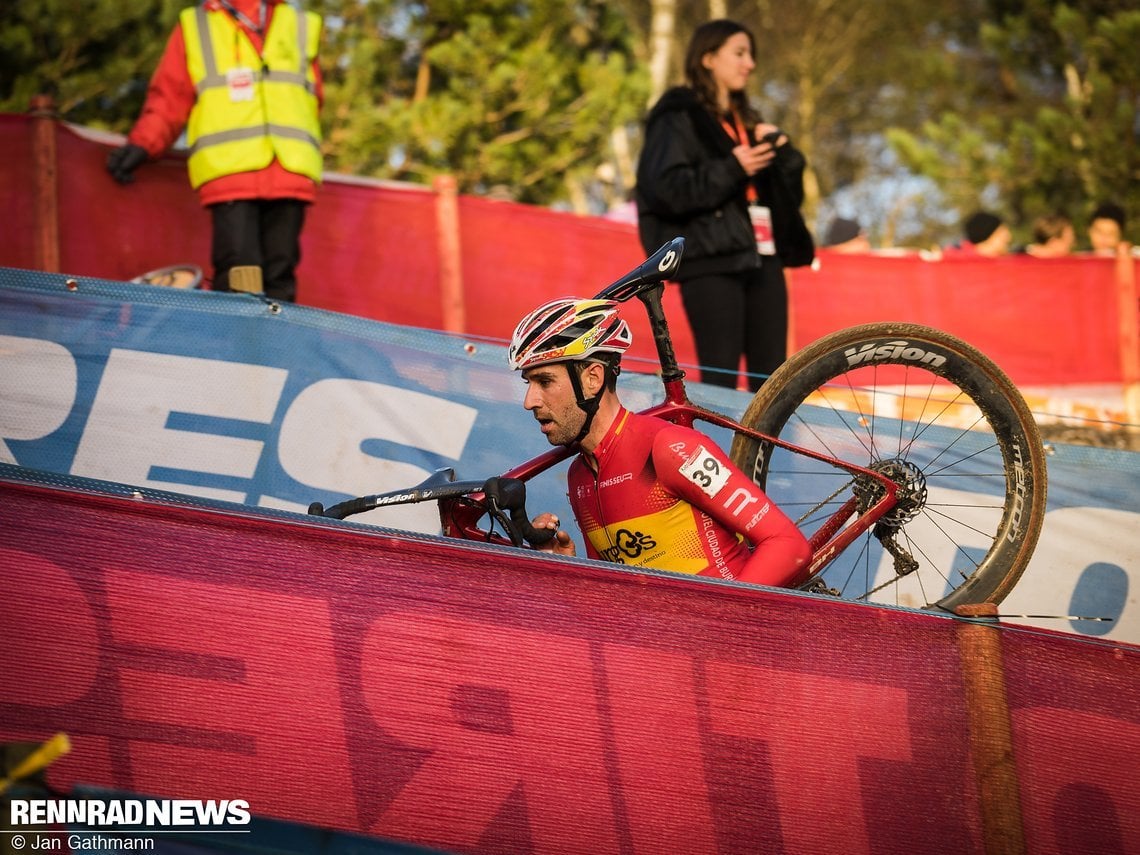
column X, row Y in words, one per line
column 550, row 397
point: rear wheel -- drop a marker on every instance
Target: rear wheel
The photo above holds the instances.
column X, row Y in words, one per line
column 937, row 417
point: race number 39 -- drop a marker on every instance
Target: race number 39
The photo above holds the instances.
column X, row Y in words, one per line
column 705, row 471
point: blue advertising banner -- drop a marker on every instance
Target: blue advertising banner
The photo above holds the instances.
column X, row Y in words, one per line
column 234, row 398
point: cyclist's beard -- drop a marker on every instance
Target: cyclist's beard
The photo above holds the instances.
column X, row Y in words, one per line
column 566, row 428
column 569, row 421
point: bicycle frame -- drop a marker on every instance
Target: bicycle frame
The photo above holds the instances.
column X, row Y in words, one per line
column 460, row 518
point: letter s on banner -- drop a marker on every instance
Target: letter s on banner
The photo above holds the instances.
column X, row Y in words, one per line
column 138, row 393
column 326, row 425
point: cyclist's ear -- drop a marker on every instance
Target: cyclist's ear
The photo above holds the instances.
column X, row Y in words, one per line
column 593, row 378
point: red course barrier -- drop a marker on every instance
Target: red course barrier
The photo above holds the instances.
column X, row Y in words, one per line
column 480, row 699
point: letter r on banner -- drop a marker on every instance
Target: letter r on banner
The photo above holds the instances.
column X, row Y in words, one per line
column 417, row 671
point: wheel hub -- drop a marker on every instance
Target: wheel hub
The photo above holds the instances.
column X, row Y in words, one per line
column 911, row 493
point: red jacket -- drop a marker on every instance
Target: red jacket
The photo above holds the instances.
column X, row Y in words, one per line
column 170, row 98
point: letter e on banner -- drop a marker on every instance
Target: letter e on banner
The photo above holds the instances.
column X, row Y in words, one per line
column 138, row 393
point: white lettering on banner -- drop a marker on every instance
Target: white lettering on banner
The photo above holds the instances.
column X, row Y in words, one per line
column 327, row 454
column 320, row 443
column 37, row 387
column 1064, row 556
column 126, row 432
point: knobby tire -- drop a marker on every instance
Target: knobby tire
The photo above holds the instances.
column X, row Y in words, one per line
column 940, row 418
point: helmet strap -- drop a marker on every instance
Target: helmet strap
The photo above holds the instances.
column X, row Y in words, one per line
column 587, row 405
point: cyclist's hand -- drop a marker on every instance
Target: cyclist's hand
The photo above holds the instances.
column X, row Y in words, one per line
column 562, row 543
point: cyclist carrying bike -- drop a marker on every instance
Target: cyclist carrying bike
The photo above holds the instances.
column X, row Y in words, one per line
column 644, row 491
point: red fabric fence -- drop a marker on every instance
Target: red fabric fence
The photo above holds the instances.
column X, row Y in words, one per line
column 373, row 249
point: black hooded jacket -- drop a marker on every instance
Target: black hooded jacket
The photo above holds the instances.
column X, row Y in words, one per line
column 689, row 183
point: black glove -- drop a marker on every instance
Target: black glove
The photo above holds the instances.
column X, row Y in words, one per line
column 125, row 160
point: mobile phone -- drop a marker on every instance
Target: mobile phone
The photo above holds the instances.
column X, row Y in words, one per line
column 771, row 137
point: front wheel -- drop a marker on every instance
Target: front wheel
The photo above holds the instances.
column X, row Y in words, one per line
column 937, row 417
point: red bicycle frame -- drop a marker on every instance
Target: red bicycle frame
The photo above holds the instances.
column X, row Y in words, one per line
column 460, row 516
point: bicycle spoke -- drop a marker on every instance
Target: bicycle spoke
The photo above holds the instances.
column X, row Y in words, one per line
column 960, row 428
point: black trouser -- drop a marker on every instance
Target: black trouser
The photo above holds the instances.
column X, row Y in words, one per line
column 264, row 233
column 739, row 313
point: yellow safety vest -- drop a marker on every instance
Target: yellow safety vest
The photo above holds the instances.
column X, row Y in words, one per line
column 251, row 108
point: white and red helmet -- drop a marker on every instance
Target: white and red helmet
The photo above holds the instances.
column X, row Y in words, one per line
column 568, row 329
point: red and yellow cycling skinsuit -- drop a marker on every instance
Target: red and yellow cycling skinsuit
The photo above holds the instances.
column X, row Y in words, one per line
column 666, row 496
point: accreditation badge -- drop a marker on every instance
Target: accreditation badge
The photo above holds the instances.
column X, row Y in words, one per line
column 762, row 225
column 240, row 83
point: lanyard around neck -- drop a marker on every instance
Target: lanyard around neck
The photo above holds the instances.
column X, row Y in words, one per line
column 736, row 130
column 241, row 17
column 739, row 134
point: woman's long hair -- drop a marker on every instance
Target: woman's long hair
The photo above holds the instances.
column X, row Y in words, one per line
column 709, row 38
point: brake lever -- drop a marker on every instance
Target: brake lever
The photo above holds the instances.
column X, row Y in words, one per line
column 509, row 494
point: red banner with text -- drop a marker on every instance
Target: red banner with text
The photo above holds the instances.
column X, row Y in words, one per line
column 480, row 699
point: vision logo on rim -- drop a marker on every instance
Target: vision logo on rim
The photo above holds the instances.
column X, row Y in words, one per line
column 893, row 350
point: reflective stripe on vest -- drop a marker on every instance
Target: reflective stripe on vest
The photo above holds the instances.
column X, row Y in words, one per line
column 278, row 116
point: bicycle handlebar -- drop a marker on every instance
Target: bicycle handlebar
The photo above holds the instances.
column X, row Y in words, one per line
column 499, row 494
column 440, row 485
column 510, row 494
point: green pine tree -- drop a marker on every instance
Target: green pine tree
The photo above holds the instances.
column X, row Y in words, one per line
column 1058, row 129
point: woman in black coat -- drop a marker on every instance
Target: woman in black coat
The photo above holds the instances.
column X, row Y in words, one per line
column 713, row 172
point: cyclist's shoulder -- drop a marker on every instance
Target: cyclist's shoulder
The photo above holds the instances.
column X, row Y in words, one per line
column 675, row 444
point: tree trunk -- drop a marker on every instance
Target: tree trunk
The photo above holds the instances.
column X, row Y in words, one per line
column 623, row 159
column 662, row 31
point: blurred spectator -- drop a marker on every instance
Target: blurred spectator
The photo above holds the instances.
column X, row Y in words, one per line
column 1053, row 237
column 845, row 235
column 986, row 235
column 714, row 172
column 241, row 77
column 1106, row 229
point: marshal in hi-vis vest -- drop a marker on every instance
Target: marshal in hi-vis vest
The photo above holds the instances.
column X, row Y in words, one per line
column 251, row 108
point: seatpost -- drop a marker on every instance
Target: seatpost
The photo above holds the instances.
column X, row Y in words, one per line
column 651, row 297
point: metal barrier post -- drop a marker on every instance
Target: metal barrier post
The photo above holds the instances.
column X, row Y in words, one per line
column 1128, row 304
column 45, row 184
column 450, row 256
column 991, row 743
